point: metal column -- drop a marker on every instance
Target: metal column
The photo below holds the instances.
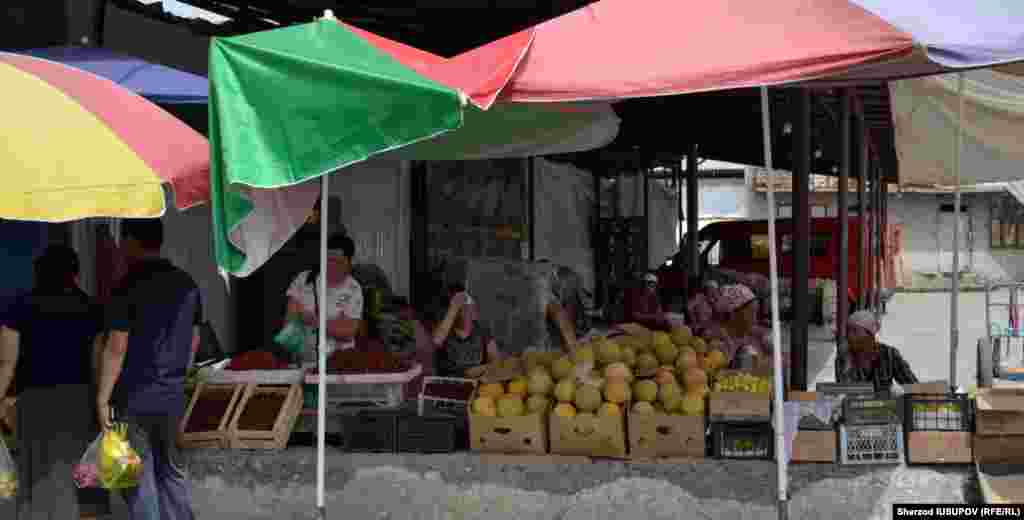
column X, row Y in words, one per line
column 843, row 269
column 677, row 172
column 801, row 237
column 531, row 201
column 861, row 152
column 599, row 256
column 647, row 219
column 877, row 242
column 692, row 214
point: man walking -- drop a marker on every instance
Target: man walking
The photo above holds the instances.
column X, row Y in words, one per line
column 152, row 324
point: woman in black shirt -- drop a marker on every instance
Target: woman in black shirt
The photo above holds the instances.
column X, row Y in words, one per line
column 462, row 342
column 869, row 361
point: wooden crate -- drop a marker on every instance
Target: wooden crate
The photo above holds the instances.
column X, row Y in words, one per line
column 281, row 402
column 209, row 400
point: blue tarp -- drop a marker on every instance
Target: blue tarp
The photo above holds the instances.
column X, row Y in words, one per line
column 157, row 83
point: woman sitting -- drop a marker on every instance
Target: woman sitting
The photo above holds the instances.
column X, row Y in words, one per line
column 699, row 308
column 868, row 360
column 461, row 341
column 738, row 333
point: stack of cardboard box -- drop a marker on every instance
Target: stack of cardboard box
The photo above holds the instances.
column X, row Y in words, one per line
column 1000, row 424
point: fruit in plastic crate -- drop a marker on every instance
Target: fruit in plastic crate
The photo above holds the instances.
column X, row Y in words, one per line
column 8, row 485
column 743, row 382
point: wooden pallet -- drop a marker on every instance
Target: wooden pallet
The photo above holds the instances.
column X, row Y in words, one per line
column 284, row 402
column 206, row 437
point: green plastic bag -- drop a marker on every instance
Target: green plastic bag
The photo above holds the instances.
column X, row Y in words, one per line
column 293, row 337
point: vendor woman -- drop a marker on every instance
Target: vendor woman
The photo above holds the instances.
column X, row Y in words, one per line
column 737, row 331
column 868, row 360
column 344, row 304
column 461, row 341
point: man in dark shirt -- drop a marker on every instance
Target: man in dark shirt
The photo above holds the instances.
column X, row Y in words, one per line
column 152, row 323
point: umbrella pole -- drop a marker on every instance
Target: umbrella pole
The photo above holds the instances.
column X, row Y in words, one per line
column 781, row 458
column 321, row 424
column 954, row 303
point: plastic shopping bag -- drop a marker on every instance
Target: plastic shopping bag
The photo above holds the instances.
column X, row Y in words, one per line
column 8, row 474
column 292, row 337
column 110, row 462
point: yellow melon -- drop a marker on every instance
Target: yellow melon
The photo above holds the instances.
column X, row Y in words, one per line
column 492, row 390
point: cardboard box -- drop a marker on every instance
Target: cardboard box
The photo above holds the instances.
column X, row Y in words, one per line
column 527, row 434
column 1000, row 411
column 814, row 446
column 595, row 437
column 1007, row 449
column 741, row 405
column 938, row 447
column 661, row 435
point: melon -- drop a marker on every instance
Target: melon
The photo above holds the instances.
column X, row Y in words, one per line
column 583, row 355
column 540, row 382
column 608, row 351
column 666, row 352
column 699, row 345
column 492, row 390
column 565, row 410
column 681, row 335
column 484, row 406
column 511, row 406
column 687, row 360
column 628, row 356
column 588, row 398
column 609, row 410
column 671, row 403
column 518, row 386
column 695, row 378
column 692, row 404
column 645, row 390
column 533, row 360
column 665, row 376
column 643, row 407
column 537, row 403
column 645, row 362
column 617, row 392
column 561, row 368
column 716, row 360
column 618, row 371
column 565, row 390
column 667, row 392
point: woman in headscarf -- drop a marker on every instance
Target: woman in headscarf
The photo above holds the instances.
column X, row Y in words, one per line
column 700, row 307
column 47, row 335
column 461, row 342
column 738, row 334
column 868, row 360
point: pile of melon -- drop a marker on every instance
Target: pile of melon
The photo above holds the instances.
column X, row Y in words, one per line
column 655, row 371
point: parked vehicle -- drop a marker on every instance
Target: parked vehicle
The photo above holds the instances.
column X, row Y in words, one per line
column 742, row 246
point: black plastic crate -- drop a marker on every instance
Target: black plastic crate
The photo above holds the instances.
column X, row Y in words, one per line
column 742, row 440
column 373, row 431
column 929, row 412
column 878, row 409
column 432, row 434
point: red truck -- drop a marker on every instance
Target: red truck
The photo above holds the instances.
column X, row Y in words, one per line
column 742, row 245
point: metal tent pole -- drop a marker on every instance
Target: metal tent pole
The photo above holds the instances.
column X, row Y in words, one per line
column 692, row 213
column 801, row 237
column 862, row 180
column 781, row 460
column 954, row 307
column 842, row 273
column 321, row 413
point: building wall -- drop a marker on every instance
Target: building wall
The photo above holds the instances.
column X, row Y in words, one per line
column 563, row 209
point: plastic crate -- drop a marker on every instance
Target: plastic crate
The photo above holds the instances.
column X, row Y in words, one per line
column 951, row 413
column 432, row 434
column 373, row 431
column 431, row 405
column 870, row 444
column 878, row 409
column 742, row 440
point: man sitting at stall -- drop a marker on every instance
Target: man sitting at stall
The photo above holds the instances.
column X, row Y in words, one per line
column 738, row 332
column 868, row 360
column 644, row 307
column 344, row 305
column 461, row 341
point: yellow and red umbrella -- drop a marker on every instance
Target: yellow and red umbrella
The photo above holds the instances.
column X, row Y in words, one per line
column 75, row 145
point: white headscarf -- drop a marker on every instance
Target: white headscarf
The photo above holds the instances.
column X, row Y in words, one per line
column 865, row 320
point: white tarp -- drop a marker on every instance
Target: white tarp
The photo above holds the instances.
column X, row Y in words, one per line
column 925, row 113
